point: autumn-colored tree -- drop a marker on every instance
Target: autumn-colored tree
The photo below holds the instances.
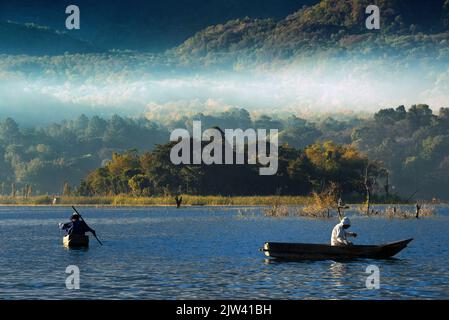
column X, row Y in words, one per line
column 340, row 164
column 66, row 190
column 140, row 185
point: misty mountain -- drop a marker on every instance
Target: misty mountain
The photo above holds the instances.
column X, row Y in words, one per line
column 316, row 60
column 32, row 39
column 274, row 28
column 144, row 25
column 332, row 27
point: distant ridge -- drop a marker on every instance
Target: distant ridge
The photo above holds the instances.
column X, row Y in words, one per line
column 143, row 25
column 32, row 39
column 332, row 26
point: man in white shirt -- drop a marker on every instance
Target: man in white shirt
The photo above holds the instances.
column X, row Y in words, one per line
column 339, row 233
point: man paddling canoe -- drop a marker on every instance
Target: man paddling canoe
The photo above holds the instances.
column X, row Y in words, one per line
column 76, row 226
column 339, row 233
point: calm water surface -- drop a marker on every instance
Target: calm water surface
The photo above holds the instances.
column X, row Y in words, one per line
column 211, row 253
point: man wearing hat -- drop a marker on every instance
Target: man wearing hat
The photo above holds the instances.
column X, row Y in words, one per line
column 339, row 233
column 76, row 226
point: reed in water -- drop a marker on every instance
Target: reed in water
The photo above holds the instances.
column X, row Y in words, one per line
column 323, row 203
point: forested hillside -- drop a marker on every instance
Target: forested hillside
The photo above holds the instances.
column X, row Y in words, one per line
column 116, row 24
column 411, row 145
column 331, row 28
column 300, row 172
column 317, row 75
column 33, row 39
column 46, row 157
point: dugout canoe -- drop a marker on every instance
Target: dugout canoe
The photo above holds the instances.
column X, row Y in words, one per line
column 304, row 251
column 75, row 241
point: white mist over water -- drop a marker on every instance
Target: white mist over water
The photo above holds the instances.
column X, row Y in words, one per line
column 304, row 89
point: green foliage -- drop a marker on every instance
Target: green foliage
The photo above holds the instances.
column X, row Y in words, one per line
column 140, row 185
column 409, row 30
column 46, row 157
column 299, row 172
column 413, row 145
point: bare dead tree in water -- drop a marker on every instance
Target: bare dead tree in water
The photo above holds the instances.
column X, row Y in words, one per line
column 340, row 208
column 418, row 210
column 387, row 186
column 367, row 189
column 178, row 201
column 369, row 183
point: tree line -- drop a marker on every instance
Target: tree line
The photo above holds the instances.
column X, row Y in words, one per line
column 409, row 146
column 300, row 172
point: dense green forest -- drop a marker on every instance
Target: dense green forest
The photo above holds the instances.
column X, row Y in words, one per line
column 300, row 172
column 408, row 151
column 46, row 157
column 337, row 24
column 412, row 29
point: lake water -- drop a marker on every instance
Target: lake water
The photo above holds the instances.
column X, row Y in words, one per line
column 211, row 253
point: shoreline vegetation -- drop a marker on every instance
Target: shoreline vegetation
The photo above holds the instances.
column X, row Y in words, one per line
column 399, row 211
column 126, row 200
column 276, row 206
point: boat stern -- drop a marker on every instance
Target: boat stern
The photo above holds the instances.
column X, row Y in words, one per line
column 75, row 241
column 265, row 249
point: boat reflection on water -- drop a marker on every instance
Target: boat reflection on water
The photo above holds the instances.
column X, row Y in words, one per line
column 338, row 271
column 75, row 248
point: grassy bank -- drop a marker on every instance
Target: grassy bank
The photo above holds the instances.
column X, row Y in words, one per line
column 188, row 200
column 158, row 201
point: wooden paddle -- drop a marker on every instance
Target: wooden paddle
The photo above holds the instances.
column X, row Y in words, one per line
column 94, row 233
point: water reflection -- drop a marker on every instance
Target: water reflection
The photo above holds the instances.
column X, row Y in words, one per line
column 338, row 270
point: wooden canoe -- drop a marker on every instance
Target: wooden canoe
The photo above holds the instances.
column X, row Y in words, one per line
column 75, row 241
column 304, row 251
